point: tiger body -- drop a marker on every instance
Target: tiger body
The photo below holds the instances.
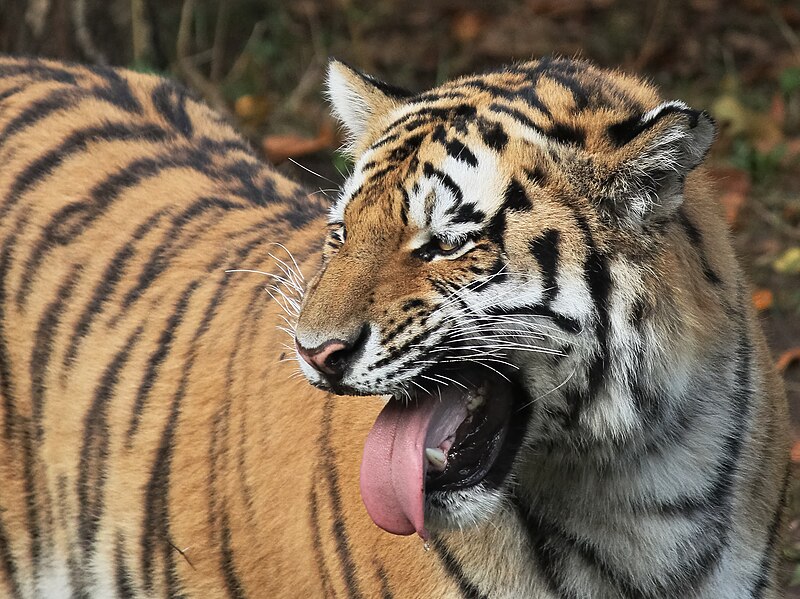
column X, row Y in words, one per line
column 154, row 442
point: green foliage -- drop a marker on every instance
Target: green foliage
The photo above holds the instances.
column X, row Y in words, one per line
column 790, row 80
column 762, row 166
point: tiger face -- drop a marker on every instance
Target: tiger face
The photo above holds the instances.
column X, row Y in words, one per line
column 490, row 267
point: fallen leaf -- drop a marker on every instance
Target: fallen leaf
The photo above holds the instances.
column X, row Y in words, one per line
column 796, row 452
column 788, row 262
column 467, row 25
column 734, row 185
column 787, row 358
column 280, row 147
column 763, row 299
column 251, row 109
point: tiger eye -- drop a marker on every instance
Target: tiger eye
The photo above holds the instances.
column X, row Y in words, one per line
column 446, row 246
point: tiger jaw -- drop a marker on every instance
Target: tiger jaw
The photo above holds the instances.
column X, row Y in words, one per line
column 429, row 454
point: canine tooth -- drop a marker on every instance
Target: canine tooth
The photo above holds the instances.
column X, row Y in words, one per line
column 475, row 401
column 436, row 458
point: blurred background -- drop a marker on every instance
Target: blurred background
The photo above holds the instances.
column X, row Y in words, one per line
column 262, row 62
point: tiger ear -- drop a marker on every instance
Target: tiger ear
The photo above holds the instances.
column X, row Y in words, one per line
column 360, row 102
column 658, row 150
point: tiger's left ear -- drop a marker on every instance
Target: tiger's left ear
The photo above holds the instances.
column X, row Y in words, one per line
column 656, row 152
column 360, row 102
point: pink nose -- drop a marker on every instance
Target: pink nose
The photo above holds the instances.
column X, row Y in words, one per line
column 329, row 358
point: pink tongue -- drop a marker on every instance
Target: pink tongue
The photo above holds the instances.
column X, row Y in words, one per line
column 394, row 465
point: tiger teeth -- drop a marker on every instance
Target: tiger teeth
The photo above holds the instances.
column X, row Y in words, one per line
column 436, row 458
column 476, row 399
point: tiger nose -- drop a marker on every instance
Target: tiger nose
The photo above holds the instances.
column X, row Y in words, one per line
column 332, row 357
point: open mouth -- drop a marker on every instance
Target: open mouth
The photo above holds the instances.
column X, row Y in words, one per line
column 438, row 443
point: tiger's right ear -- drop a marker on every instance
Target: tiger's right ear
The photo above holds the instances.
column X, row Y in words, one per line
column 360, row 102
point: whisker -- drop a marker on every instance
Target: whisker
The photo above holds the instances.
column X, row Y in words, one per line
column 305, row 168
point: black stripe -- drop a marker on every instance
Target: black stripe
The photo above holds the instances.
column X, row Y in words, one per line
column 694, row 235
column 170, row 102
column 40, row 109
column 769, row 554
column 233, row 583
column 92, row 468
column 430, row 171
column 69, row 222
column 566, row 323
column 46, row 330
column 105, row 288
column 122, row 577
column 32, row 70
column 8, row 563
column 7, row 93
column 75, row 143
column 156, row 360
column 316, row 538
column 545, row 249
column 162, row 254
column 516, row 114
column 386, row 590
column 329, row 466
column 155, row 527
column 453, row 568
column 6, row 383
column 515, row 197
column 493, row 134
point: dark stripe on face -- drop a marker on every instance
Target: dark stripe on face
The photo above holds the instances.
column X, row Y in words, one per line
column 468, row 213
column 170, row 102
column 340, row 535
column 409, row 146
column 493, row 134
column 76, row 143
column 545, row 249
column 515, row 197
column 93, row 468
column 430, row 171
column 568, row 134
column 516, row 114
column 455, row 147
column 570, row 325
column 454, row 570
column 625, row 131
column 694, row 235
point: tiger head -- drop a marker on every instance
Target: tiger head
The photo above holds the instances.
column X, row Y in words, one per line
column 492, row 266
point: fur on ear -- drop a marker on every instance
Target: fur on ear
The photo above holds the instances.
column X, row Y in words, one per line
column 658, row 151
column 359, row 102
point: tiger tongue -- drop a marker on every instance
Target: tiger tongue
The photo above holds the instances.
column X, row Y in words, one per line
column 394, row 466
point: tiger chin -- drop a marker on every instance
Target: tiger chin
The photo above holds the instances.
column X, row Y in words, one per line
column 526, row 333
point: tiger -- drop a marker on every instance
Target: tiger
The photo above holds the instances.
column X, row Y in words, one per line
column 514, row 357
